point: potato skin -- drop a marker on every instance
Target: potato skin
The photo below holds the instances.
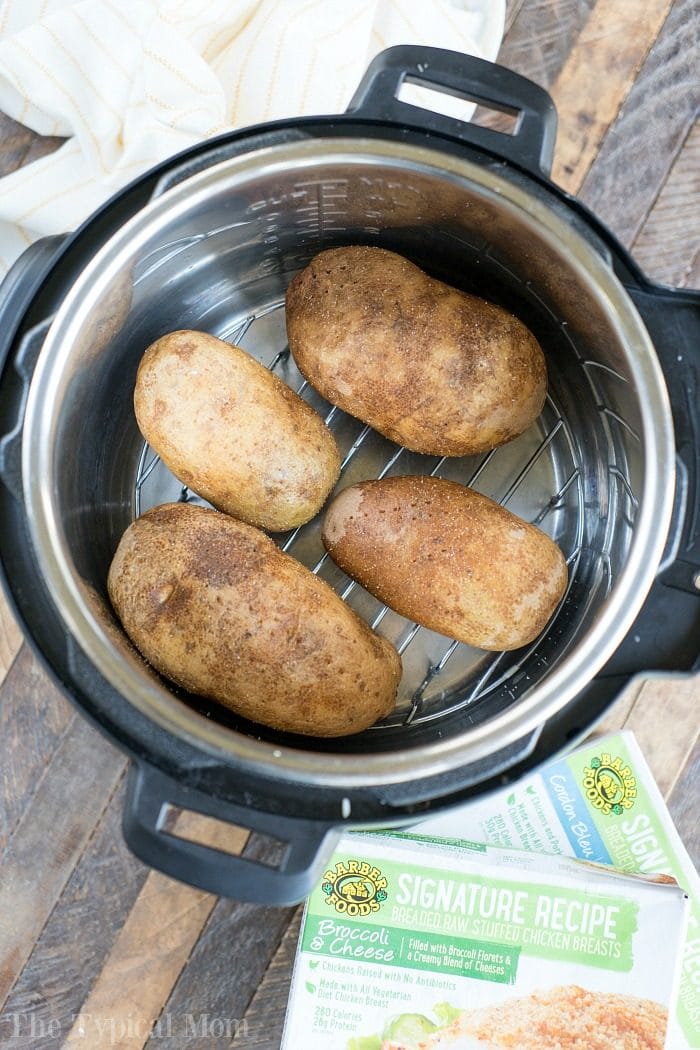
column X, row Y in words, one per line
column 214, row 605
column 447, row 557
column 428, row 366
column 233, row 432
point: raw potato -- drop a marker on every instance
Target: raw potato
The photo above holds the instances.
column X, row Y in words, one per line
column 233, row 432
column 214, row 605
column 429, row 367
column 448, row 558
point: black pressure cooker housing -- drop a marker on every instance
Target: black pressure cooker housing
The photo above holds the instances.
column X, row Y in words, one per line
column 168, row 768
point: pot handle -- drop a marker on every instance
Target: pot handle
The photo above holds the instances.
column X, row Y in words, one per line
column 307, row 844
column 666, row 634
column 17, row 291
column 21, row 283
column 531, row 144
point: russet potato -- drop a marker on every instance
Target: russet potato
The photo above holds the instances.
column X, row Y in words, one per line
column 447, row 557
column 233, row 432
column 428, row 366
column 215, row 606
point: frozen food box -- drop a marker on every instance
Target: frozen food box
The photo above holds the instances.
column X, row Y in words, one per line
column 418, row 943
column 599, row 803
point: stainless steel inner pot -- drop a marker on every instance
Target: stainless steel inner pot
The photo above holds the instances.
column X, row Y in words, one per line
column 216, row 252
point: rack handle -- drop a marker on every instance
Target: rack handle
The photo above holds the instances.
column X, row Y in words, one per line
column 532, row 143
column 307, row 844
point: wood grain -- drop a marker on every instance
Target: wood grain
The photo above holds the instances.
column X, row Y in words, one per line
column 77, row 938
column 666, row 246
column 541, row 35
column 10, row 636
column 127, row 997
column 596, row 78
column 33, row 718
column 617, row 714
column 647, row 704
column 669, row 703
column 637, row 154
column 19, row 145
column 261, row 1028
column 49, row 840
column 238, row 939
column 15, row 140
column 538, row 36
column 693, row 276
column 512, row 11
column 683, row 803
column 134, row 984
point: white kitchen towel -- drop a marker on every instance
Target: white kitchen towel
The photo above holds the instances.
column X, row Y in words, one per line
column 131, row 82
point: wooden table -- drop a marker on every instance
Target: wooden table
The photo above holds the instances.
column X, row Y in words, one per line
column 94, row 947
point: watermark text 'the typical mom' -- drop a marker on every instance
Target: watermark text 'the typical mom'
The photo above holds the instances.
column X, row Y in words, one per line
column 27, row 1025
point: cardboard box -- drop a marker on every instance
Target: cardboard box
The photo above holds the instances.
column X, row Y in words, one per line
column 600, row 803
column 422, row 943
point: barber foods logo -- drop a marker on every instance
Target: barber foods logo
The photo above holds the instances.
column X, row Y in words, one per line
column 609, row 784
column 354, row 887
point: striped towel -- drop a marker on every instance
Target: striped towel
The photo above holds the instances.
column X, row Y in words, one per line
column 131, row 82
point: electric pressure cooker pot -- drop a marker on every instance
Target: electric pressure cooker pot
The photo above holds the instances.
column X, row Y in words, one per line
column 611, row 470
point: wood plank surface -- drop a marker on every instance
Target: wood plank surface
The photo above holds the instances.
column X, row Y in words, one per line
column 683, row 803
column 20, row 146
column 643, row 143
column 541, row 35
column 129, row 993
column 49, row 839
column 245, row 936
column 667, row 243
column 98, row 951
column 77, row 939
column 596, row 79
column 133, row 986
column 261, row 1027
column 665, row 703
column 10, row 634
column 33, row 718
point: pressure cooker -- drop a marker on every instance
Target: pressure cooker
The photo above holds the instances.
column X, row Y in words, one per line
column 210, row 240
